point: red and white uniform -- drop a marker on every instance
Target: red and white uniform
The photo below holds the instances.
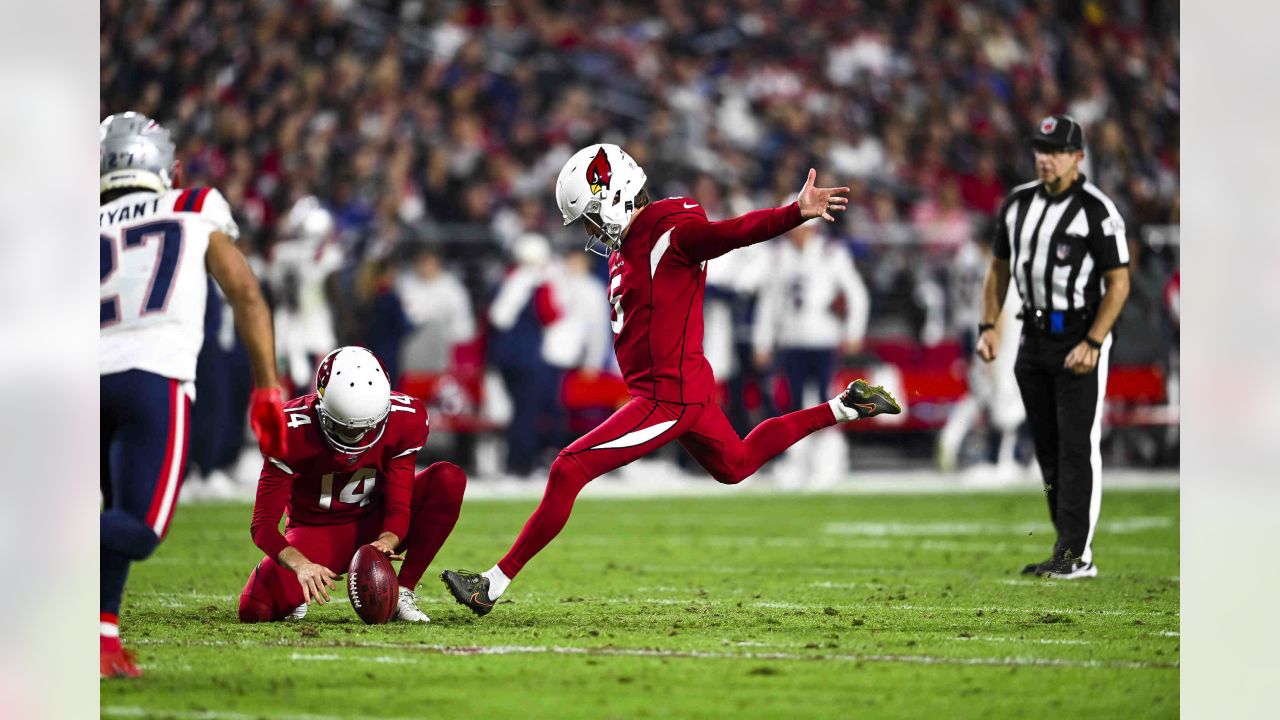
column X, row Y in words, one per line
column 337, row 502
column 319, row 485
column 656, row 284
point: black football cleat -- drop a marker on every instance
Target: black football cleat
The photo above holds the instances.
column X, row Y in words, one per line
column 1067, row 569
column 470, row 589
column 868, row 400
column 1035, row 568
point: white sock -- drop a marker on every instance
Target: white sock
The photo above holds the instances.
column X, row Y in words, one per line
column 842, row 413
column 498, row 582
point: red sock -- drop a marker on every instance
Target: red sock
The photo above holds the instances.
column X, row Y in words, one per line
column 776, row 434
column 109, row 632
column 566, row 480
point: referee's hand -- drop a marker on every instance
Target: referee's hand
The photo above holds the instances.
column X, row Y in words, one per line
column 1082, row 359
column 987, row 343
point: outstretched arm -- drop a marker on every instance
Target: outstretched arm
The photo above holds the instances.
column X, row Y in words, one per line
column 701, row 240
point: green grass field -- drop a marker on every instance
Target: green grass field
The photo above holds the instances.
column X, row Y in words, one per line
column 743, row 605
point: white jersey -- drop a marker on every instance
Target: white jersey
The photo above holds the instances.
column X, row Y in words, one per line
column 154, row 278
column 813, row 298
column 298, row 272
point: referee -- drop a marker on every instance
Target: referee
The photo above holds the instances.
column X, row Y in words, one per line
column 1062, row 241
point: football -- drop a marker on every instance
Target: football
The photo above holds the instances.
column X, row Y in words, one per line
column 372, row 586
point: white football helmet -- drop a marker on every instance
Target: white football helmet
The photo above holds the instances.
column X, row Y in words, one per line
column 354, row 399
column 308, row 220
column 600, row 183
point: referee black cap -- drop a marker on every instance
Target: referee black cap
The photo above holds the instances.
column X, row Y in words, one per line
column 1058, row 132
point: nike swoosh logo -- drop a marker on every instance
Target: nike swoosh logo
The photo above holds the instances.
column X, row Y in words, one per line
column 689, row 205
column 475, row 598
column 573, row 202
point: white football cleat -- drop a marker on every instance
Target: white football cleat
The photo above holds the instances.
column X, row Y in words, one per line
column 298, row 613
column 407, row 608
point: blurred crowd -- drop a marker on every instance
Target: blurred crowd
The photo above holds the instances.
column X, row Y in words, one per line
column 390, row 162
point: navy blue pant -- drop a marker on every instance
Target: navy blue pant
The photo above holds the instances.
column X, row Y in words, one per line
column 145, row 433
column 537, row 413
column 223, row 382
column 804, row 367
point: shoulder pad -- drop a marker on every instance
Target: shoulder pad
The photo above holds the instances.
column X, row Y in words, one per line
column 209, row 204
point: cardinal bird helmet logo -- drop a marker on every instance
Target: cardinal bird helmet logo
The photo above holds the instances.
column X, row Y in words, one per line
column 322, row 373
column 599, row 172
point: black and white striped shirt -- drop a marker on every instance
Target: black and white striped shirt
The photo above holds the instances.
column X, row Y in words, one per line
column 1059, row 246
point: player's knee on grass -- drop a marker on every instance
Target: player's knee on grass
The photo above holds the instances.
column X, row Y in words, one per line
column 254, row 610
column 266, row 596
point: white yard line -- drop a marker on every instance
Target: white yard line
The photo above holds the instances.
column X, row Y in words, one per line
column 1010, row 661
column 1057, row 611
column 133, row 711
column 1041, row 641
column 658, row 480
column 944, row 529
column 644, row 481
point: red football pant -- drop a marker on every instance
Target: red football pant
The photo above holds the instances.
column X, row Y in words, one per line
column 273, row 591
column 637, row 429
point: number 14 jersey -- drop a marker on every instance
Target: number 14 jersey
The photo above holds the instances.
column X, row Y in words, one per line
column 322, row 486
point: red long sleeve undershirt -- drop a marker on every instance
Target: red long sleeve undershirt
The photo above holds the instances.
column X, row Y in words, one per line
column 268, row 507
column 702, row 240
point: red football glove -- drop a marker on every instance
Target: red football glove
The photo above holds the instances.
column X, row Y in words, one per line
column 266, row 417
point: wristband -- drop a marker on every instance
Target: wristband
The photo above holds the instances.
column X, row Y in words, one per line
column 1093, row 343
column 983, row 327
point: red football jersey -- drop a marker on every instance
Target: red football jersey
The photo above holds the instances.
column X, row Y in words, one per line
column 656, row 283
column 324, row 486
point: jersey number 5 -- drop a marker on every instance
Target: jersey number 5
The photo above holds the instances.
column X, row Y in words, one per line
column 617, row 319
column 169, row 252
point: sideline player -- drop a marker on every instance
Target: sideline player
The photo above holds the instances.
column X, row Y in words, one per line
column 348, row 480
column 658, row 253
column 157, row 242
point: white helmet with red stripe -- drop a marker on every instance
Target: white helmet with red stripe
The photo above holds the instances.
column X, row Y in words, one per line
column 600, row 183
column 354, row 399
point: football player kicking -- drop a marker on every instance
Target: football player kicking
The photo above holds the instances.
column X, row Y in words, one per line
column 657, row 254
column 159, row 245
column 348, row 480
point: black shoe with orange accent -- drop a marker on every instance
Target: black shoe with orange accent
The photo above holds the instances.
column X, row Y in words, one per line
column 868, row 400
column 470, row 589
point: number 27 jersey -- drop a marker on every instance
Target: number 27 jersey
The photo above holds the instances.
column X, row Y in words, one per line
column 153, row 278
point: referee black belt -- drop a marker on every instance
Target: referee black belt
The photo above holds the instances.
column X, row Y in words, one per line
column 1055, row 322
